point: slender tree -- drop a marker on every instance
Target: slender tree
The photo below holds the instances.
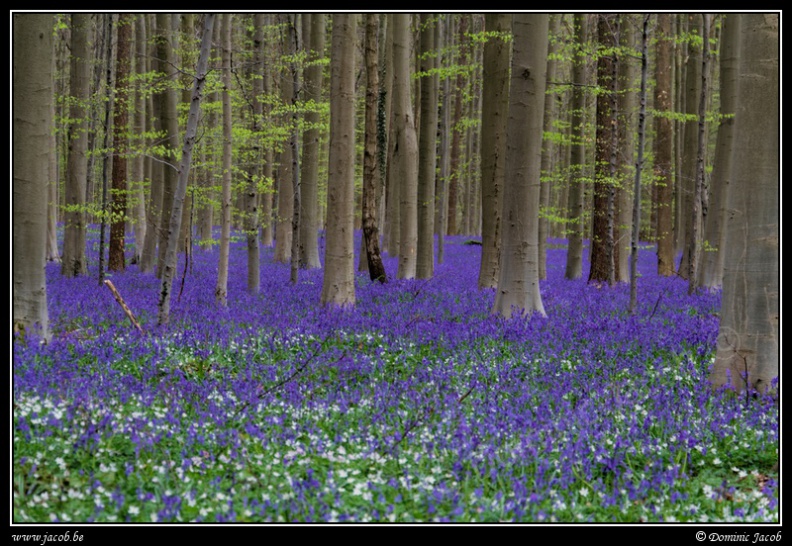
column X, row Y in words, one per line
column 636, row 216
column 441, row 207
column 494, row 112
column 138, row 163
column 314, row 42
column 663, row 148
column 518, row 281
column 296, row 250
column 427, row 156
column 191, row 129
column 118, row 205
column 221, row 288
column 748, row 340
column 456, row 137
column 574, row 265
column 254, row 170
column 32, row 125
column 713, row 258
column 371, row 170
column 405, row 159
column 285, row 212
column 338, row 286
column 75, row 228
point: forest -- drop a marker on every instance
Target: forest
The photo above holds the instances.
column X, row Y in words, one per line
column 469, row 267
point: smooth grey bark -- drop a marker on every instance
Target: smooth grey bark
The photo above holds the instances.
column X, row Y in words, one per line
column 548, row 148
column 577, row 160
column 748, row 339
column 266, row 196
column 392, row 215
column 169, row 120
column 518, row 282
column 371, row 169
column 663, row 148
column 296, row 250
column 155, row 167
column 221, row 288
column 32, row 125
column 427, row 155
column 690, row 143
column 628, row 74
column 285, row 212
column 405, row 148
column 75, row 227
column 137, row 166
column 680, row 77
column 187, row 45
column 713, row 257
column 338, row 286
column 636, row 214
column 191, row 129
column 441, row 207
column 699, row 196
column 494, row 114
column 456, row 137
column 314, row 42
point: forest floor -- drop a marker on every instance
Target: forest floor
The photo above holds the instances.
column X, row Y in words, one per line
column 415, row 405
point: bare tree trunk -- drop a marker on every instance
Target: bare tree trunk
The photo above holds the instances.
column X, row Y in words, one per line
column 285, row 213
column 636, row 219
column 405, row 158
column 221, row 288
column 574, row 265
column 602, row 266
column 296, row 250
column 32, row 126
column 441, row 207
column 118, row 205
column 749, row 336
column 681, row 51
column 713, row 261
column 518, row 283
column 338, row 286
column 137, row 171
column 191, row 129
column 663, row 152
column 75, row 228
column 453, row 183
column 494, row 113
column 170, row 124
column 392, row 216
column 424, row 268
column 155, row 169
column 699, row 198
column 548, row 150
column 371, row 170
column 269, row 159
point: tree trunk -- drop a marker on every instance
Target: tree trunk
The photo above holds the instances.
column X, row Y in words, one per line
column 137, row 171
column 574, row 265
column 713, row 258
column 748, row 339
column 32, row 126
column 453, row 182
column 441, row 207
column 636, row 214
column 285, row 212
column 602, row 265
column 254, row 169
column 405, row 148
column 296, row 250
column 118, row 206
column 314, row 38
column 518, row 282
column 221, row 288
column 494, row 112
column 699, row 196
column 424, row 268
column 392, row 215
column 371, row 170
column 548, row 150
column 663, row 149
column 169, row 119
column 628, row 74
column 269, row 159
column 191, row 128
column 155, row 168
column 75, row 228
column 338, row 287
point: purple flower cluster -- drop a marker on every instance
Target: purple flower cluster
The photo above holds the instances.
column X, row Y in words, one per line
column 417, row 404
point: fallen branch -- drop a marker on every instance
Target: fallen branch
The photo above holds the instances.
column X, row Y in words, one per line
column 123, row 305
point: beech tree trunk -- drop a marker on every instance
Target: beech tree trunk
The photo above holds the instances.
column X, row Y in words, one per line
column 663, row 148
column 577, row 160
column 32, row 126
column 338, row 287
column 494, row 112
column 221, row 288
column 75, row 226
column 518, row 283
column 405, row 148
column 424, row 268
column 748, row 340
